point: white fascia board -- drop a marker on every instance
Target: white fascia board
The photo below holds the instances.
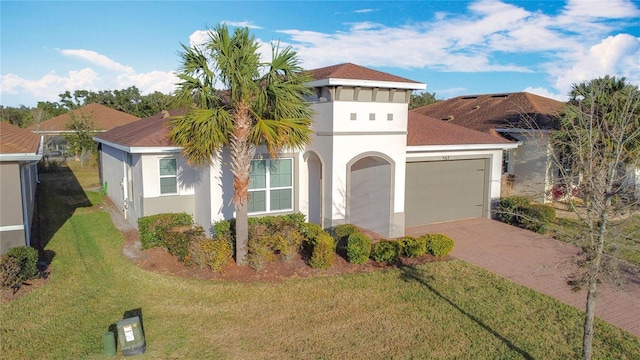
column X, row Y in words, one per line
column 524, row 131
column 20, row 157
column 367, row 83
column 140, row 149
column 461, row 147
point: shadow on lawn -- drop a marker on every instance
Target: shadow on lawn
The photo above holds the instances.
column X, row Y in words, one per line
column 412, row 273
column 58, row 196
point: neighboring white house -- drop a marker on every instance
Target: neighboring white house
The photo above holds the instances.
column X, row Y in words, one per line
column 369, row 163
column 20, row 151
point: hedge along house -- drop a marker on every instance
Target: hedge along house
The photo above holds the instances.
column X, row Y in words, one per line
column 20, row 151
column 354, row 170
column 529, row 119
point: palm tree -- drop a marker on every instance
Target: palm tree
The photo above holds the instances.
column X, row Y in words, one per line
column 262, row 104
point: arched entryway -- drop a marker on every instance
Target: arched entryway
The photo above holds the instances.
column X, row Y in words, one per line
column 370, row 192
column 314, row 167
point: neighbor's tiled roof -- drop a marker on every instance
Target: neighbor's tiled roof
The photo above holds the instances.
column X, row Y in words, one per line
column 148, row 132
column 14, row 140
column 355, row 72
column 104, row 118
column 424, row 130
column 497, row 111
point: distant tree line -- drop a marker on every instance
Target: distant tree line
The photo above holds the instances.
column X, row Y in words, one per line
column 127, row 100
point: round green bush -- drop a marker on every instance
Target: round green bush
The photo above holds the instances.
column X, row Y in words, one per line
column 386, row 251
column 27, row 259
column 324, row 252
column 343, row 231
column 358, row 248
column 414, row 247
column 439, row 245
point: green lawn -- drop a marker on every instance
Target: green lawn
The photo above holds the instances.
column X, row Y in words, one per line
column 624, row 238
column 442, row 310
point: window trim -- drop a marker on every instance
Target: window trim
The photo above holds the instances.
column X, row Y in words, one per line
column 268, row 188
column 160, row 176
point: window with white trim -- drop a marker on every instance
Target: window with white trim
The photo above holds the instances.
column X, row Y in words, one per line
column 168, row 176
column 270, row 186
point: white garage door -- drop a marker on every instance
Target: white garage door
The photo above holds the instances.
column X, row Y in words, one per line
column 438, row 191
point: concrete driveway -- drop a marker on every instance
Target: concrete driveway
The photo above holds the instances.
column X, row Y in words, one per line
column 538, row 262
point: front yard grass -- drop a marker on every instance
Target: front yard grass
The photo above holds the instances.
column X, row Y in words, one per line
column 440, row 310
column 627, row 236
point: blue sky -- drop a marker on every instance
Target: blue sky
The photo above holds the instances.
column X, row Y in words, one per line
column 455, row 47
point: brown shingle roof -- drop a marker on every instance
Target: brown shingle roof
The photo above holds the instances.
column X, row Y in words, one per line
column 497, row 111
column 355, row 72
column 148, row 132
column 424, row 130
column 14, row 140
column 104, row 118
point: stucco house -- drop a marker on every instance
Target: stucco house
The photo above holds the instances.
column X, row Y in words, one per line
column 528, row 119
column 370, row 163
column 20, row 151
column 54, row 129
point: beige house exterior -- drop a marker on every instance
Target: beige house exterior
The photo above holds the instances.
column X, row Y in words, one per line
column 368, row 162
column 20, row 151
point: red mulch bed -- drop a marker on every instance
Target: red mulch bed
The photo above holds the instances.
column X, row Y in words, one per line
column 160, row 261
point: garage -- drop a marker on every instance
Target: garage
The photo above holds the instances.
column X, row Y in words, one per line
column 438, row 191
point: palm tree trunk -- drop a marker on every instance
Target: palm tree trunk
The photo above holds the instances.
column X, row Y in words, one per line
column 241, row 155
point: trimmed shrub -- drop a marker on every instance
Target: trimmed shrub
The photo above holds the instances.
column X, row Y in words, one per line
column 343, row 231
column 510, row 209
column 536, row 217
column 414, row 247
column 287, row 242
column 311, row 231
column 323, row 254
column 439, row 245
column 151, row 226
column 222, row 229
column 9, row 270
column 386, row 251
column 211, row 253
column 358, row 248
column 176, row 240
column 27, row 259
column 518, row 211
column 260, row 251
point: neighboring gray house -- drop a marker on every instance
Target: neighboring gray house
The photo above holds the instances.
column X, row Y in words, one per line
column 20, row 151
column 370, row 163
column 521, row 117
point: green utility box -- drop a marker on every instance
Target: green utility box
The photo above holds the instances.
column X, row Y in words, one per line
column 131, row 336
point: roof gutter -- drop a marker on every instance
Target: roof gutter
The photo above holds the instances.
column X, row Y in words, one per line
column 462, row 147
column 367, row 83
column 140, row 149
column 20, row 157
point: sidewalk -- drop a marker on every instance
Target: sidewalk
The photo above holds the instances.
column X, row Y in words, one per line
column 538, row 262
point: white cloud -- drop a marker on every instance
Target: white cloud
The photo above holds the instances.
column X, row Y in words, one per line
column 546, row 93
column 364, row 11
column 50, row 85
column 615, row 55
column 113, row 76
column 611, row 9
column 247, row 24
column 97, row 59
column 198, row 38
column 149, row 82
column 567, row 47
